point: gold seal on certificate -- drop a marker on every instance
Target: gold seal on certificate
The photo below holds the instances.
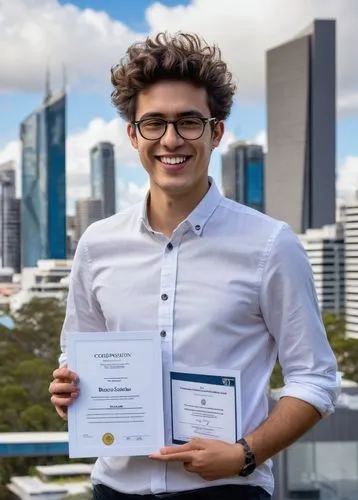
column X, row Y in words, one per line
column 108, row 439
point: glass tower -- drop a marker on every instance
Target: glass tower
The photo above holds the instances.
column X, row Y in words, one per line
column 243, row 168
column 103, row 179
column 43, row 214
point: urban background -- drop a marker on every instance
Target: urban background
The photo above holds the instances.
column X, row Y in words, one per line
column 290, row 150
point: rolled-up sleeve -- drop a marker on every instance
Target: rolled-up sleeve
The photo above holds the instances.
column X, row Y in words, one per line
column 290, row 309
column 83, row 313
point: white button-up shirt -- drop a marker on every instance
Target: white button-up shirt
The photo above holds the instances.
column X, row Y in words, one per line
column 234, row 290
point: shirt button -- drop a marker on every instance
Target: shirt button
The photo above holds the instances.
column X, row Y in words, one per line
column 170, row 246
column 163, row 334
column 164, row 296
column 197, row 227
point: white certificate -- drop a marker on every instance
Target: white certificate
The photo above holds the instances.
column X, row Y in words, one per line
column 205, row 403
column 119, row 411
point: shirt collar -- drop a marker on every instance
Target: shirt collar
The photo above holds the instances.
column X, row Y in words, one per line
column 196, row 219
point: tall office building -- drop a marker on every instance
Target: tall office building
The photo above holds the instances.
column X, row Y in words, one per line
column 103, row 178
column 350, row 221
column 301, row 123
column 88, row 210
column 325, row 251
column 243, row 171
column 71, row 236
column 8, row 178
column 43, row 137
column 9, row 218
column 11, row 253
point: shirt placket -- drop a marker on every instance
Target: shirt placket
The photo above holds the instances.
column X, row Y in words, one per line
column 165, row 330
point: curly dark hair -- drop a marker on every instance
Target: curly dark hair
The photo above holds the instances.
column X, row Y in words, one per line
column 184, row 56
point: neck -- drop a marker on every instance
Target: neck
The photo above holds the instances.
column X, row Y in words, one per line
column 167, row 211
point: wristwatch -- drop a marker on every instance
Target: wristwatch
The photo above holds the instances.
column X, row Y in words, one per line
column 250, row 462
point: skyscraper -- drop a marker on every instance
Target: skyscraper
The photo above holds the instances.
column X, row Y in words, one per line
column 88, row 210
column 9, row 218
column 301, row 123
column 243, row 174
column 103, row 179
column 43, row 137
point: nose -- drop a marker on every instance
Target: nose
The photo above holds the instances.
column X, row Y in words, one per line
column 171, row 139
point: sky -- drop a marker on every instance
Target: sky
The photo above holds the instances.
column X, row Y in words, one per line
column 90, row 36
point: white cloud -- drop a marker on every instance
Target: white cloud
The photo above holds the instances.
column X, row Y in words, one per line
column 90, row 42
column 347, row 178
column 261, row 139
column 348, row 104
column 131, row 193
column 34, row 32
column 228, row 138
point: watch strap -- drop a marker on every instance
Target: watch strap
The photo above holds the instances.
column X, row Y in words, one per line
column 250, row 461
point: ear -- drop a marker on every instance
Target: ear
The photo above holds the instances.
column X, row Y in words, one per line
column 131, row 131
column 218, row 133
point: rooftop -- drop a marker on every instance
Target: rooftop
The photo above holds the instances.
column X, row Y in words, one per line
column 65, row 470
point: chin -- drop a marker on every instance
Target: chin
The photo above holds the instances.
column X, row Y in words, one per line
column 176, row 185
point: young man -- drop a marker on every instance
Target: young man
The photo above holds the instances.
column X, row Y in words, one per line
column 223, row 285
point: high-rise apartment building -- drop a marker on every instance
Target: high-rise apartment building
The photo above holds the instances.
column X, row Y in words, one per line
column 301, row 128
column 43, row 137
column 103, row 178
column 88, row 210
column 325, row 251
column 350, row 221
column 9, row 218
column 243, row 171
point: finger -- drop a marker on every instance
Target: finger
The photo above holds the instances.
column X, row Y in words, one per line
column 59, row 388
column 193, row 444
column 189, row 467
column 65, row 373
column 62, row 411
column 62, row 400
column 186, row 456
column 169, row 450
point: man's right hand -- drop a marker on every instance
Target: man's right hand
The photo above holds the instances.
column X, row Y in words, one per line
column 64, row 390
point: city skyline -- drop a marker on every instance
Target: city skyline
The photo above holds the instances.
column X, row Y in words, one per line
column 91, row 117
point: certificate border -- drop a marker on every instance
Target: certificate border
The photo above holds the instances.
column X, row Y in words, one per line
column 205, row 376
column 73, row 339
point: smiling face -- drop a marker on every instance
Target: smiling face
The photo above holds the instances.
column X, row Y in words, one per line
column 176, row 166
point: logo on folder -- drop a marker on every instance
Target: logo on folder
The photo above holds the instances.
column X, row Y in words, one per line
column 108, row 439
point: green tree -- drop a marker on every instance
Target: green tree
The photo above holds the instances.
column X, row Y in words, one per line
column 28, row 356
column 345, row 350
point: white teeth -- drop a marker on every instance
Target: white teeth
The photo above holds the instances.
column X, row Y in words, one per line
column 173, row 161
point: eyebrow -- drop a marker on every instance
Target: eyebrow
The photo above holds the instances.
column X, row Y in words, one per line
column 192, row 112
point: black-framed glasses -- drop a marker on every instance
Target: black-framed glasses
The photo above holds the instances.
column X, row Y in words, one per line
column 189, row 128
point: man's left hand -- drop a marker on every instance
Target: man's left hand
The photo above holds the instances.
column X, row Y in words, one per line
column 210, row 458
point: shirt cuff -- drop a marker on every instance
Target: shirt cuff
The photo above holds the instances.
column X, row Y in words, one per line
column 322, row 398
